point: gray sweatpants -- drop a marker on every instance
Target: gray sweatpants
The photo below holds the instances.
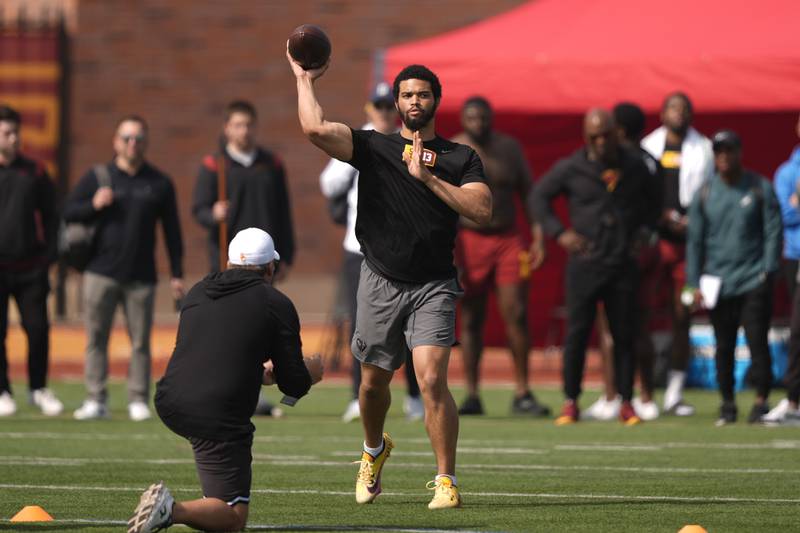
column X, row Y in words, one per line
column 101, row 295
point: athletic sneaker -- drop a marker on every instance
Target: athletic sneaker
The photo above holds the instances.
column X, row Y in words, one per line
column 91, row 410
column 413, row 408
column 45, row 400
column 368, row 480
column 756, row 412
column 791, row 418
column 603, row 409
column 471, row 406
column 679, row 408
column 527, row 404
column 138, row 411
column 727, row 414
column 265, row 408
column 647, row 411
column 352, row 412
column 627, row 414
column 569, row 413
column 776, row 415
column 7, row 404
column 445, row 494
column 154, row 511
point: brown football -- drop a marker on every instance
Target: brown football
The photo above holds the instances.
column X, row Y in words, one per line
column 309, row 46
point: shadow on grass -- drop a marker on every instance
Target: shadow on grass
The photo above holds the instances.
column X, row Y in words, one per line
column 386, row 528
column 72, row 526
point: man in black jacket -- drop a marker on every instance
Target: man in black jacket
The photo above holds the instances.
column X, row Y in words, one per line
column 255, row 187
column 122, row 269
column 235, row 332
column 28, row 226
column 607, row 190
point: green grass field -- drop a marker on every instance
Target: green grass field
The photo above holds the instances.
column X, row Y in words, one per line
column 515, row 474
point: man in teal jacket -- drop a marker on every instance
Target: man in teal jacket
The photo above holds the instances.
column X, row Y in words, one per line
column 734, row 237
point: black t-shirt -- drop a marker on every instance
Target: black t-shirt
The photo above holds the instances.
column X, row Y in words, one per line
column 671, row 163
column 406, row 232
column 231, row 323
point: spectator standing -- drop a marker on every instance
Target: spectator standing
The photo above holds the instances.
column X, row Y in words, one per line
column 122, row 269
column 341, row 178
column 787, row 188
column 494, row 256
column 687, row 162
column 28, row 228
column 606, row 188
column 734, row 239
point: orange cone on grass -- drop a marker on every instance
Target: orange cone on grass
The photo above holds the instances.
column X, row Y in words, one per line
column 32, row 513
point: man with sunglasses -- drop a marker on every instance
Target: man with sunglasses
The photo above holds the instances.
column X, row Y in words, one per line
column 125, row 198
column 340, row 178
column 606, row 188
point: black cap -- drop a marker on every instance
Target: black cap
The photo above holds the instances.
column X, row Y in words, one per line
column 726, row 139
column 382, row 92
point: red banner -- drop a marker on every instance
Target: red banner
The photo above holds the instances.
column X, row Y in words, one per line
column 30, row 82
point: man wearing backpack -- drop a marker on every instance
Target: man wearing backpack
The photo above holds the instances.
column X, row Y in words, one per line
column 339, row 181
column 28, row 226
column 122, row 267
column 733, row 249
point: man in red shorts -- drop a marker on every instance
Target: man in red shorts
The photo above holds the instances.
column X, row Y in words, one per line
column 494, row 256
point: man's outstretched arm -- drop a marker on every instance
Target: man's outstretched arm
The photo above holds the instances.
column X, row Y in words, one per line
column 334, row 138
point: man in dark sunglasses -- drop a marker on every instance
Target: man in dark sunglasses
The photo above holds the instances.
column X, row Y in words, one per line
column 124, row 199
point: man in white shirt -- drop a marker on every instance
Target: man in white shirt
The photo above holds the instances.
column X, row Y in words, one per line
column 687, row 161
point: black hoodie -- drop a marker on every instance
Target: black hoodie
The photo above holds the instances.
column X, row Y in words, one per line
column 231, row 323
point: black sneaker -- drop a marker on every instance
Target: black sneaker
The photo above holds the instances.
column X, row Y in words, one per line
column 528, row 405
column 758, row 410
column 727, row 414
column 471, row 406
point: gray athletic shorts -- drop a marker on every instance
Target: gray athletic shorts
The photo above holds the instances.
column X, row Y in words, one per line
column 393, row 318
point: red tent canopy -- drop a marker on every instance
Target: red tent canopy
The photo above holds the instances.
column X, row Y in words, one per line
column 543, row 64
column 556, row 56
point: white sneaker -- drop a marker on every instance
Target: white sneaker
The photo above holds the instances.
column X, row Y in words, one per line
column 679, row 408
column 413, row 408
column 645, row 410
column 778, row 413
column 154, row 511
column 45, row 400
column 352, row 412
column 138, row 411
column 7, row 404
column 91, row 410
column 603, row 409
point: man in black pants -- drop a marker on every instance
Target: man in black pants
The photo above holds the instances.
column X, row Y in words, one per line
column 28, row 227
column 734, row 239
column 607, row 189
column 236, row 332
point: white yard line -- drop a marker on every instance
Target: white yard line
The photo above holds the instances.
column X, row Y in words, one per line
column 531, row 495
column 314, row 461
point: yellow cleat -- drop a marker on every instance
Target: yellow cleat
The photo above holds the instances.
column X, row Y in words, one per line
column 368, row 481
column 445, row 494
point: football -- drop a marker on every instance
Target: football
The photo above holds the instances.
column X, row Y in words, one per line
column 309, row 46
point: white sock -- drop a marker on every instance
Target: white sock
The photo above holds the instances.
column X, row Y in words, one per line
column 374, row 452
column 451, row 476
column 674, row 392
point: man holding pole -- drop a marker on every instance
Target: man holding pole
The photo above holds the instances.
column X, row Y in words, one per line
column 242, row 186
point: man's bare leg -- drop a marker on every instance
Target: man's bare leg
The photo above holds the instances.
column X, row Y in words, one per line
column 441, row 417
column 473, row 315
column 374, row 398
column 210, row 514
column 511, row 301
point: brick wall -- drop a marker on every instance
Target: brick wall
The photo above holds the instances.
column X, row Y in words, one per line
column 178, row 62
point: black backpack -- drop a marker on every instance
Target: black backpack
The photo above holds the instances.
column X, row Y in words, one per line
column 337, row 206
column 76, row 239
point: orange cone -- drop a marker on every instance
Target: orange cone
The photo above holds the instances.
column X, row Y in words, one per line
column 32, row 513
column 692, row 528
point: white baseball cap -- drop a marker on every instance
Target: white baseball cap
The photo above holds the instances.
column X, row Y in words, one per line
column 252, row 246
